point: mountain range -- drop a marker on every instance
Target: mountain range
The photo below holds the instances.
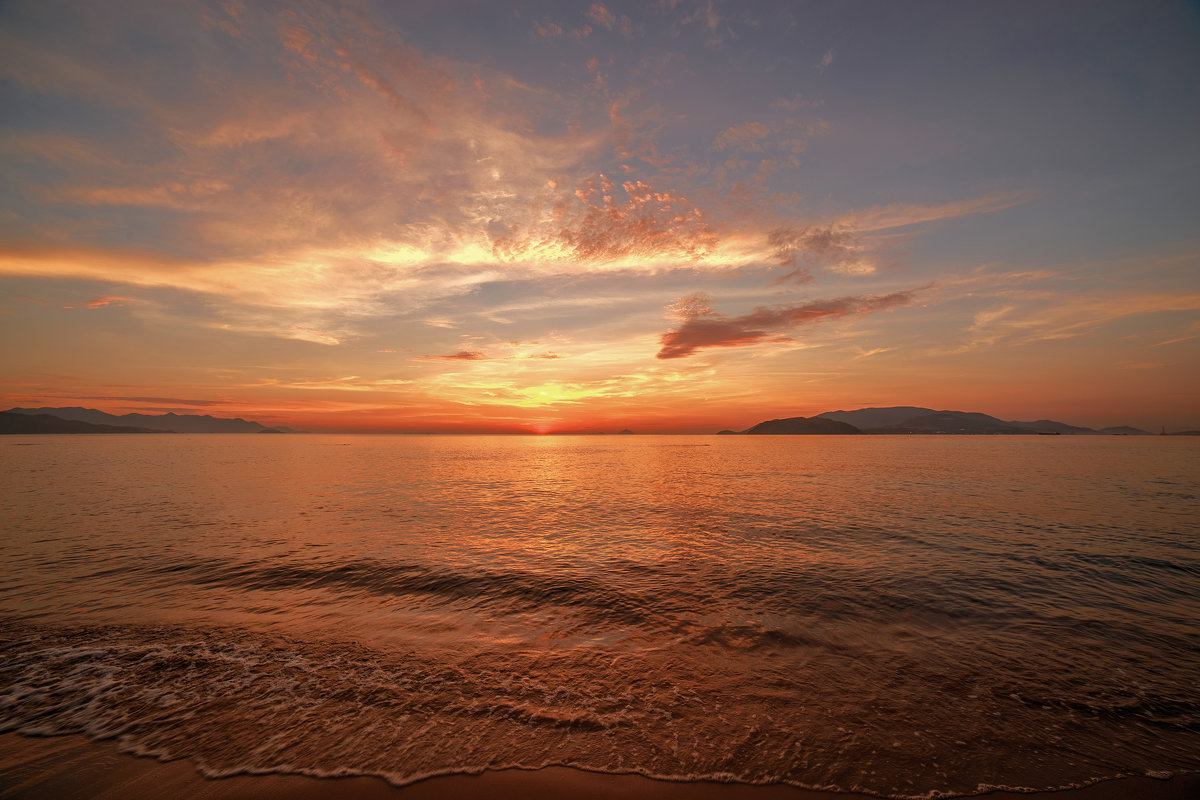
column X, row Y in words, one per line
column 917, row 420
column 130, row 423
column 891, row 420
column 802, row 426
column 45, row 423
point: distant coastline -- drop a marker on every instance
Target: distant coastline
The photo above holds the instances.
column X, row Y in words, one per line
column 891, row 420
column 88, row 420
column 914, row 420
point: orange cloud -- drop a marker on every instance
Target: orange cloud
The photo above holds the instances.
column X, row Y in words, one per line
column 461, row 355
column 594, row 224
column 174, row 194
column 1065, row 316
column 705, row 328
column 601, row 16
column 100, row 302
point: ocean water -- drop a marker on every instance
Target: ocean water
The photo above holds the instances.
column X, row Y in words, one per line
column 904, row 616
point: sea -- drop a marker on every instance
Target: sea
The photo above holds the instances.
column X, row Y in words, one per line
column 907, row 616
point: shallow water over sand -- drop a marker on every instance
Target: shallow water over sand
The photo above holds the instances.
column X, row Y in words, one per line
column 900, row 615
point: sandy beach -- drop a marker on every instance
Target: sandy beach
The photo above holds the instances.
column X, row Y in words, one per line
column 75, row 768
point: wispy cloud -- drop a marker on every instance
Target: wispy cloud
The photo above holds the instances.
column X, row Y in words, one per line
column 747, row 136
column 798, row 249
column 57, row 149
column 158, row 401
column 601, row 221
column 336, row 193
column 601, row 15
column 1027, row 317
column 385, row 178
column 898, row 215
column 461, row 355
column 102, row 302
column 548, row 30
column 349, row 383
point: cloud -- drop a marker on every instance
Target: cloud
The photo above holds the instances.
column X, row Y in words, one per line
column 349, row 383
column 349, row 177
column 166, row 401
column 705, row 15
column 601, row 222
column 898, row 215
column 873, row 352
column 1189, row 333
column 357, row 281
column 255, row 128
column 552, row 386
column 111, row 300
column 706, row 328
column 101, row 302
column 66, row 71
column 747, row 136
column 793, row 103
column 173, row 195
column 835, row 248
column 56, row 149
column 461, row 355
column 691, row 306
column 1047, row 316
column 366, row 137
column 323, row 296
column 600, row 15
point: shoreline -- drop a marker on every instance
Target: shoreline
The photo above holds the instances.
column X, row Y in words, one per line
column 74, row 767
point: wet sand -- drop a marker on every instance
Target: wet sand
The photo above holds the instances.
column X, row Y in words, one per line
column 75, row 768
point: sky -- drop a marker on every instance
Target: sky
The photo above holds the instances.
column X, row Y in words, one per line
column 673, row 216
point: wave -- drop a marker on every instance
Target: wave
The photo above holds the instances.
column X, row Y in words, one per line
column 236, row 701
column 667, row 602
column 480, row 587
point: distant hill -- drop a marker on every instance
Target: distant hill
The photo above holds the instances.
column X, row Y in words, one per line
column 46, row 423
column 954, row 422
column 917, row 420
column 1050, row 426
column 865, row 418
column 802, row 426
column 1125, row 430
column 170, row 422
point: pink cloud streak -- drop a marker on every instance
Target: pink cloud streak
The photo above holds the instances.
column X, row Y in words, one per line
column 703, row 328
